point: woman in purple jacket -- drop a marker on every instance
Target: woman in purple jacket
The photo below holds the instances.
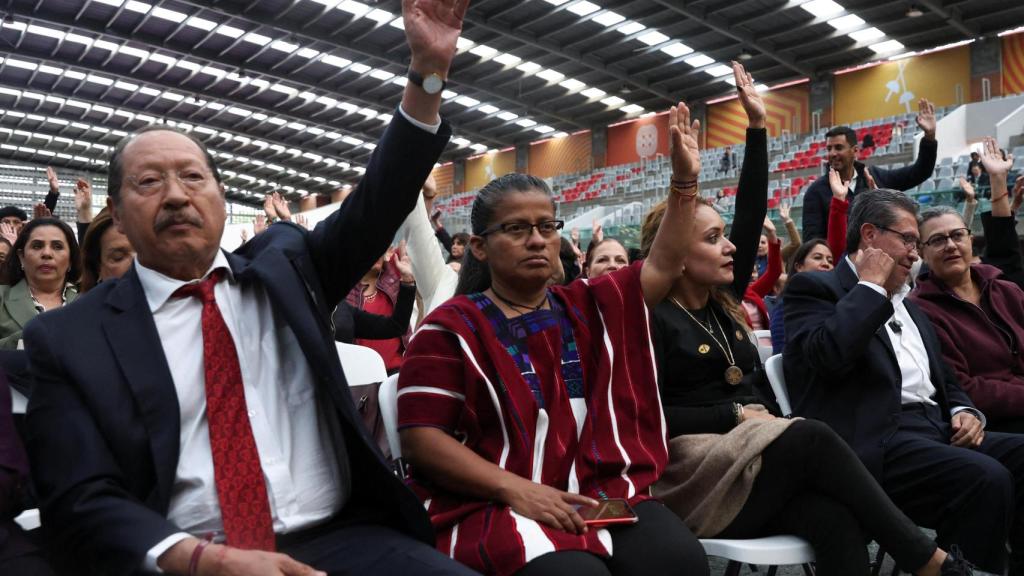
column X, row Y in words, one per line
column 978, row 315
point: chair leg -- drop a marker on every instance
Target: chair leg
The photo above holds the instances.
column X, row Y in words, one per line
column 733, row 568
column 772, row 570
column 876, row 566
column 809, row 569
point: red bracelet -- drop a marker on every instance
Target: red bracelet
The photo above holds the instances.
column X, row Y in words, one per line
column 193, row 565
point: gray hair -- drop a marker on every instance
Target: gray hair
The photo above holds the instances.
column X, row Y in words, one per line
column 877, row 207
column 935, row 212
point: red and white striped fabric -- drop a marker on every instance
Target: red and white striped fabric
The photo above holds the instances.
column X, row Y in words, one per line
column 611, row 443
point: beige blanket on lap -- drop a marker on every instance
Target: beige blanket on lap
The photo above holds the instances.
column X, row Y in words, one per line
column 709, row 476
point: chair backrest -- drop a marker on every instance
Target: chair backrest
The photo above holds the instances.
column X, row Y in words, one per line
column 763, row 339
column 362, row 365
column 777, row 378
column 19, row 403
column 387, row 400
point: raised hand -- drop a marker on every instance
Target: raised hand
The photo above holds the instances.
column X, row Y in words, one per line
column 784, row 211
column 432, row 28
column 41, row 211
column 302, row 221
column 751, row 100
column 83, row 200
column 51, row 177
column 598, row 232
column 769, row 229
column 259, row 224
column 968, row 189
column 244, row 235
column 404, row 264
column 992, row 160
column 574, row 235
column 926, row 117
column 268, row 207
column 872, row 185
column 281, row 207
column 839, row 188
column 873, row 265
column 683, row 136
column 9, row 232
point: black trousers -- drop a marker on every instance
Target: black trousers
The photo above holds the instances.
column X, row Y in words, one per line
column 972, row 498
column 812, row 485
column 658, row 545
column 361, row 549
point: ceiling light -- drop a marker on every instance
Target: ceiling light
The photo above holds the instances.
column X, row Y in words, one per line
column 508, row 59
column 257, row 39
column 556, row 2
column 550, row 75
column 867, row 34
column 846, row 22
column 359, row 68
column 630, row 28
column 201, row 23
column 140, row 7
column 608, row 18
column 698, row 60
column 613, row 101
column 528, row 67
column 677, row 49
column 354, row 8
column 822, row 8
column 308, row 53
column 508, row 116
column 483, row 51
column 380, row 16
column 631, row 108
column 887, row 46
column 719, row 70
column 526, row 123
column 572, row 84
column 229, row 31
column 488, row 109
column 283, row 46
column 169, row 14
column 583, row 8
column 653, row 37
column 914, row 11
column 544, row 129
column 467, row 101
column 593, row 93
column 382, row 75
column 463, row 43
column 335, row 61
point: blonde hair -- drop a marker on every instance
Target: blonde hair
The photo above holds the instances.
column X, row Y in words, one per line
column 720, row 294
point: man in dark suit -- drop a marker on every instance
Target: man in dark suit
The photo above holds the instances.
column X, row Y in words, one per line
column 841, row 147
column 862, row 358
column 202, row 394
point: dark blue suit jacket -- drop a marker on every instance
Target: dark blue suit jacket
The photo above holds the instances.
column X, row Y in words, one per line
column 840, row 364
column 104, row 419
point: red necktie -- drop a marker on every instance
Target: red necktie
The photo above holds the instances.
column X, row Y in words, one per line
column 244, row 507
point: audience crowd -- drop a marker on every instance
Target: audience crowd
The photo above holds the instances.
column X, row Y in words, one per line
column 188, row 410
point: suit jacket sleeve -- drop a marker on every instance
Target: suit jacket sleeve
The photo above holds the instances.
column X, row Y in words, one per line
column 909, row 176
column 81, row 489
column 345, row 244
column 444, row 238
column 751, row 207
column 831, row 336
column 815, row 214
column 13, row 463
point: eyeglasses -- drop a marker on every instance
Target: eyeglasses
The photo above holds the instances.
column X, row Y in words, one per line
column 150, row 183
column 911, row 241
column 520, row 230
column 958, row 236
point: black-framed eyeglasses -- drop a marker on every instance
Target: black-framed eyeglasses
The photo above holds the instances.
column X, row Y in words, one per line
column 518, row 230
column 958, row 236
column 909, row 240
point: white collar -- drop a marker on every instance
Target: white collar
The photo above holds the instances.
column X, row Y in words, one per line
column 159, row 287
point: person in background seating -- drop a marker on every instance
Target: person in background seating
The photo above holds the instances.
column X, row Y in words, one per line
column 106, row 252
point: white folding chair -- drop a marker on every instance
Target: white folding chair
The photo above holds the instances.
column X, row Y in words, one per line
column 29, row 519
column 361, row 365
column 777, row 378
column 763, row 339
column 19, row 403
column 770, row 551
column 387, row 401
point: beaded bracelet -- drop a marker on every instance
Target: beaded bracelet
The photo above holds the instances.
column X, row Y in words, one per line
column 684, row 183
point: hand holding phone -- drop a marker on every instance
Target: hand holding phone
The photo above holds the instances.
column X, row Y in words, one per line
column 608, row 512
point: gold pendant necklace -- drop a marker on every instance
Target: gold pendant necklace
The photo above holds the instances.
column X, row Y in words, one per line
column 733, row 374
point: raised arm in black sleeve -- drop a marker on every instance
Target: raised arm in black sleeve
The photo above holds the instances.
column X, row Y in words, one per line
column 751, row 208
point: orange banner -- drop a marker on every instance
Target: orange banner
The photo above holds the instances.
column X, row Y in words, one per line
column 894, row 88
column 787, row 111
column 560, row 155
column 487, row 167
column 644, row 138
column 445, row 178
column 1013, row 64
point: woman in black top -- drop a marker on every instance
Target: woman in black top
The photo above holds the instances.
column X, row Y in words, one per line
column 763, row 475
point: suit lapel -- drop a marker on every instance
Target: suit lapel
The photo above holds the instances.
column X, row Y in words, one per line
column 132, row 334
column 19, row 304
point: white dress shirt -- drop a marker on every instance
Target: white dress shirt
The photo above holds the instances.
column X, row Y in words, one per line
column 911, row 355
column 299, row 466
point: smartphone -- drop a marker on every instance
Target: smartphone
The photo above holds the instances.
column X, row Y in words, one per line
column 608, row 513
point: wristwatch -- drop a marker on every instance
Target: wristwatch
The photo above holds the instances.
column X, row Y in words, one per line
column 432, row 84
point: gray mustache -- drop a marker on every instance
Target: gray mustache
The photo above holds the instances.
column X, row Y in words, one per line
column 166, row 219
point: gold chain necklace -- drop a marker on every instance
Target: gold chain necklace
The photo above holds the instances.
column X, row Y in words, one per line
column 733, row 374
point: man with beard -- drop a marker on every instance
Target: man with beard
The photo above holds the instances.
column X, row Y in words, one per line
column 841, row 147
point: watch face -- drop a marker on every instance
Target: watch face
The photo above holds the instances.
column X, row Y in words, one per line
column 433, row 84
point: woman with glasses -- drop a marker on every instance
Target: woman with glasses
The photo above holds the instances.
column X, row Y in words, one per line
column 521, row 404
column 977, row 314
